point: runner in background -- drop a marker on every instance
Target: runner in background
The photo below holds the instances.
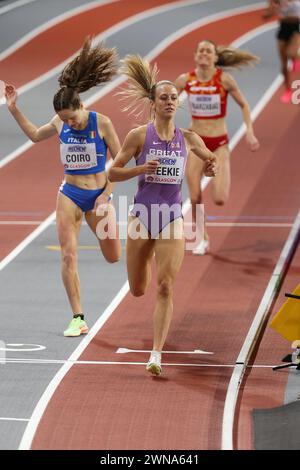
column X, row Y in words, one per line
column 207, row 87
column 288, row 39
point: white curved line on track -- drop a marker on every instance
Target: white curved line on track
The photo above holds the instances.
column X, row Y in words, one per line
column 112, row 30
column 150, row 56
column 253, row 334
column 50, row 23
column 51, row 388
column 12, row 6
column 106, row 89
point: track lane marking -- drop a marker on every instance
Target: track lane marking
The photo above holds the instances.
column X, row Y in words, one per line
column 118, row 363
column 253, row 334
column 12, row 6
column 209, row 224
column 56, row 20
column 124, row 23
column 51, row 388
column 126, row 351
column 14, row 419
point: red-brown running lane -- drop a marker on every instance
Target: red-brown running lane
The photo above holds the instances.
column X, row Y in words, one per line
column 119, row 406
column 36, row 57
column 39, row 192
column 263, row 387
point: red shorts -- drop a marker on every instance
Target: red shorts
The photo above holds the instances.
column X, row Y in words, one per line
column 213, row 143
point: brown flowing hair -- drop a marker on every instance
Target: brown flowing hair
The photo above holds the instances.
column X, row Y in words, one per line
column 230, row 57
column 94, row 65
column 142, row 82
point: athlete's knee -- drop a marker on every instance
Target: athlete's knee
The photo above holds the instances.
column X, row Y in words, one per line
column 165, row 288
column 196, row 199
column 138, row 290
column 69, row 258
column 220, row 201
column 112, row 257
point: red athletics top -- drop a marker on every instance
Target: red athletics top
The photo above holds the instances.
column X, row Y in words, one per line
column 207, row 100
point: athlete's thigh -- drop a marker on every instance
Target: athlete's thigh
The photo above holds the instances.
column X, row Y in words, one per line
column 68, row 220
column 221, row 182
column 194, row 171
column 139, row 252
column 293, row 46
column 169, row 251
column 103, row 224
column 282, row 51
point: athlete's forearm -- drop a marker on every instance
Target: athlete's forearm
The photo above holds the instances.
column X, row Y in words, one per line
column 122, row 174
column 247, row 118
column 27, row 127
column 109, row 188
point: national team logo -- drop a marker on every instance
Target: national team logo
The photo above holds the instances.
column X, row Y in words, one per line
column 92, row 134
column 175, row 145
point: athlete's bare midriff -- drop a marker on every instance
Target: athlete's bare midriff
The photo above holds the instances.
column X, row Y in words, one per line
column 209, row 127
column 93, row 181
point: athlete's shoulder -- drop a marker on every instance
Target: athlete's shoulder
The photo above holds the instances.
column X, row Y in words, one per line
column 137, row 133
column 189, row 134
column 102, row 118
column 227, row 79
column 56, row 122
column 181, row 81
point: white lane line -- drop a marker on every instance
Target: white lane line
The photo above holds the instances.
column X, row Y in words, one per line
column 125, row 351
column 49, row 24
column 13, row 419
column 179, row 34
column 209, row 224
column 51, row 388
column 32, row 236
column 110, row 31
column 20, row 222
column 14, row 5
column 119, row 363
column 107, row 88
column 235, row 139
column 17, row 347
column 253, row 335
column 248, row 224
column 150, row 56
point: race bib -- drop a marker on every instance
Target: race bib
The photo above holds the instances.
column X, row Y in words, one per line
column 78, row 156
column 169, row 171
column 205, row 105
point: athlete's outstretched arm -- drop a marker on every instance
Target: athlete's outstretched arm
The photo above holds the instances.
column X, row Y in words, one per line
column 271, row 9
column 36, row 134
column 233, row 89
column 198, row 147
column 180, row 82
column 132, row 146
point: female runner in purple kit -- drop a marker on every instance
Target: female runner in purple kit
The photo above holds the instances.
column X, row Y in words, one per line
column 161, row 151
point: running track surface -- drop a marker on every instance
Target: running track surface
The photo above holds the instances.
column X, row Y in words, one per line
column 115, row 406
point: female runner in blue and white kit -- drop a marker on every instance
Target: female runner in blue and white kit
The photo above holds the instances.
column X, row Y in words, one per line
column 84, row 139
column 161, row 151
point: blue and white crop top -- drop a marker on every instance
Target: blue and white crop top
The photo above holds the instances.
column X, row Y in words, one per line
column 83, row 151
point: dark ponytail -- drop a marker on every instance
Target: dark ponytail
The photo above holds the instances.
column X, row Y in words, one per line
column 93, row 66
